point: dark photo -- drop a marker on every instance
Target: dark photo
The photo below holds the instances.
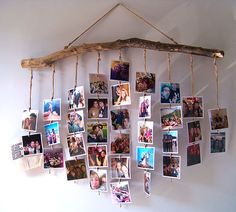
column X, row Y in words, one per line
column 119, row 71
column 171, row 166
column 217, row 142
column 97, row 156
column 193, row 155
column 194, row 131
column 120, row 143
column 76, row 169
column 170, row 141
column 32, row 144
column 98, row 108
column 218, row 119
column 170, row 93
column 192, row 107
column 120, row 119
column 145, row 82
column 53, row 157
column 76, row 145
column 97, row 132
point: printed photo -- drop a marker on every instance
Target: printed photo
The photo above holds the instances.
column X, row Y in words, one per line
column 52, row 133
column 194, row 131
column 145, row 82
column 98, row 180
column 218, row 118
column 171, row 166
column 76, row 99
column 144, row 107
column 120, row 119
column 170, row 93
column 76, row 169
column 29, row 120
column 53, row 157
column 192, row 107
column 193, row 155
column 147, row 182
column 121, row 94
column 217, row 141
column 120, row 143
column 75, row 122
column 76, row 145
column 145, row 157
column 120, row 168
column 120, row 192
column 119, row 71
column 170, row 142
column 145, row 132
column 17, row 151
column 32, row 144
column 171, row 118
column 98, row 84
column 52, row 110
column 97, row 156
column 97, row 132
column 98, row 108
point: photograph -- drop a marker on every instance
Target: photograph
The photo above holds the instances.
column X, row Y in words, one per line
column 98, row 84
column 119, row 71
column 76, row 169
column 145, row 132
column 53, row 157
column 32, row 144
column 29, row 120
column 52, row 133
column 120, row 167
column 217, row 141
column 98, row 180
column 147, row 182
column 145, row 157
column 193, row 155
column 120, row 119
column 75, row 122
column 144, row 107
column 171, row 118
column 76, row 145
column 171, row 166
column 120, row 192
column 121, row 94
column 192, row 107
column 97, row 132
column 194, row 131
column 52, row 110
column 120, row 143
column 145, row 82
column 76, row 98
column 170, row 93
column 170, row 142
column 218, row 118
column 97, row 156
column 98, row 108
column 17, row 151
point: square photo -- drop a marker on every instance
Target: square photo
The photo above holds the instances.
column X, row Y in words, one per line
column 145, row 157
column 144, row 107
column 53, row 157
column 52, row 110
column 98, row 84
column 97, row 156
column 120, row 192
column 145, row 132
column 171, row 166
column 119, row 71
column 170, row 142
column 120, row 119
column 147, row 182
column 98, row 180
column 76, row 169
column 76, row 99
column 52, row 133
column 97, row 132
column 193, row 155
column 170, row 92
column 145, row 82
column 218, row 118
column 75, row 122
column 192, row 107
column 17, row 151
column 29, row 120
column 32, row 144
column 76, row 145
column 120, row 143
column 121, row 94
column 217, row 141
column 120, row 168
column 194, row 131
column 98, row 108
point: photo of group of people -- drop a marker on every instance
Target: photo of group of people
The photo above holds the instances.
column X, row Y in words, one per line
column 147, row 182
column 119, row 71
column 171, row 166
column 194, row 131
column 121, row 94
column 76, row 169
column 29, row 120
column 170, row 142
column 97, row 132
column 120, row 167
column 98, row 108
column 192, row 107
column 97, row 156
column 76, row 99
column 145, row 157
column 145, row 82
column 193, row 155
column 120, row 119
column 144, row 107
column 98, row 180
column 217, row 140
column 120, row 192
column 120, row 143
column 52, row 110
column 98, row 84
column 53, row 158
column 75, row 122
column 76, row 145
column 218, row 118
column 52, row 133
column 170, row 93
column 145, row 132
column 32, row 144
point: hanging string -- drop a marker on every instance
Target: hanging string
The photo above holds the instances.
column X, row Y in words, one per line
column 98, row 62
column 145, row 60
column 53, row 76
column 192, row 76
column 120, row 57
column 217, row 82
column 31, row 83
column 76, row 70
column 169, row 70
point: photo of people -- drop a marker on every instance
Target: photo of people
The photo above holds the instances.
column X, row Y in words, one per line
column 76, row 169
column 120, row 192
column 193, row 155
column 145, row 157
column 53, row 157
column 32, row 144
column 52, row 133
column 98, row 180
column 218, row 118
column 145, row 82
column 171, row 118
column 145, row 132
column 17, row 151
column 217, row 141
column 192, row 107
column 120, row 119
column 98, row 108
column 76, row 99
column 121, row 94
column 98, row 84
column 52, row 110
column 144, row 107
column 29, row 120
column 97, row 132
column 120, row 143
column 171, row 166
column 194, row 131
column 76, row 145
column 170, row 93
column 120, row 168
column 147, row 182
column 119, row 71
column 75, row 122
column 97, row 156
column 170, row 142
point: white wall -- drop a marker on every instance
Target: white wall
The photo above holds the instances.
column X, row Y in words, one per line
column 36, row 28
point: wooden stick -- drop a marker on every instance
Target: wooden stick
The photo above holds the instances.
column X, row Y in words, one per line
column 48, row 60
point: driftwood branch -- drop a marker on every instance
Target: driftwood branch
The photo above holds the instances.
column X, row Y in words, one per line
column 50, row 59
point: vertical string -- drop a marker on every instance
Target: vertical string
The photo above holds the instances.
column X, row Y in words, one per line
column 192, row 76
column 120, row 55
column 98, row 62
column 169, row 70
column 53, row 77
column 145, row 60
column 76, row 70
column 31, row 83
column 217, row 82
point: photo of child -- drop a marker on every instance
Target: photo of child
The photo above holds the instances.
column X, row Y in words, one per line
column 98, row 180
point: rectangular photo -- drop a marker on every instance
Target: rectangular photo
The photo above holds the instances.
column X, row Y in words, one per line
column 75, row 122
column 76, row 145
column 171, row 166
column 32, row 144
column 120, row 192
column 121, row 94
column 29, row 120
column 120, row 143
column 98, row 108
column 76, row 169
column 192, row 107
column 171, row 118
column 218, row 119
column 147, row 182
column 145, row 157
column 170, row 142
column 52, row 110
column 52, row 133
column 119, row 71
column 144, row 107
column 97, row 156
column 120, row 119
column 193, row 155
column 217, row 141
column 76, row 98
column 17, row 151
column 145, row 82
column 98, row 180
column 145, row 132
column 53, row 157
column 98, row 84
column 170, row 93
column 120, row 167
column 97, row 132
column 194, row 131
